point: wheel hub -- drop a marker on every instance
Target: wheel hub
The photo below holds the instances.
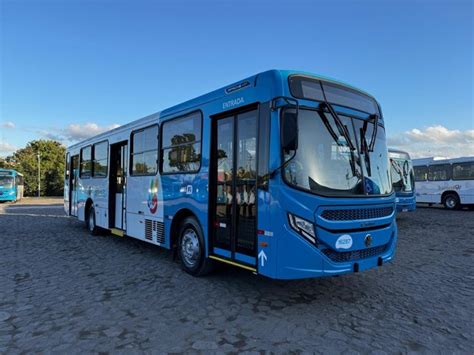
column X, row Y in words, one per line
column 190, row 250
column 450, row 202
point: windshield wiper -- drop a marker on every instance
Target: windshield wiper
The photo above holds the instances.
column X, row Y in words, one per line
column 365, row 149
column 375, row 118
column 329, row 128
column 340, row 127
column 342, row 130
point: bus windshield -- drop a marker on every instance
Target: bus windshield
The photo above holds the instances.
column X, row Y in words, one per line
column 326, row 165
column 402, row 172
column 6, row 182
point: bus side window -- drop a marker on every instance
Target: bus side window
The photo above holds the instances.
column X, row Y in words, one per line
column 421, row 173
column 100, row 159
column 144, row 151
column 463, row 171
column 181, row 144
column 439, row 172
column 86, row 162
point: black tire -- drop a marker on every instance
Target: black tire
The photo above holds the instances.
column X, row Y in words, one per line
column 451, row 201
column 191, row 249
column 90, row 222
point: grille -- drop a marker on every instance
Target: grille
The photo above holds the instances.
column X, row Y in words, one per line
column 354, row 255
column 154, row 231
column 354, row 214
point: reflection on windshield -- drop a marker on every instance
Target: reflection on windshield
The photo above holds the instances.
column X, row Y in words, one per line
column 326, row 166
column 6, row 182
column 403, row 178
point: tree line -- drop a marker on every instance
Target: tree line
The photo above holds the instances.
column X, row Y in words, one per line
column 25, row 161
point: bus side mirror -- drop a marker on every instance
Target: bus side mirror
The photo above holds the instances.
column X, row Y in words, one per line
column 289, row 131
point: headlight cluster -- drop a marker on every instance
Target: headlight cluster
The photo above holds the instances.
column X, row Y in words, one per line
column 302, row 227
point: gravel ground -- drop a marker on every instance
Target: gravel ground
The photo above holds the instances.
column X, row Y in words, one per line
column 64, row 291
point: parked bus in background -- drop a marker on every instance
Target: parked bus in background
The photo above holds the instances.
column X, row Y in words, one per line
column 11, row 185
column 284, row 174
column 446, row 181
column 403, row 179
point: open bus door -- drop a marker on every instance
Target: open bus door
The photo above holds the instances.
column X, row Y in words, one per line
column 118, row 187
column 233, row 188
column 73, row 185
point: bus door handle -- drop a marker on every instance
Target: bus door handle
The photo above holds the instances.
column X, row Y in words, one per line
column 141, row 212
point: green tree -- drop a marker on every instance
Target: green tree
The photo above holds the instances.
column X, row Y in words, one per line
column 52, row 155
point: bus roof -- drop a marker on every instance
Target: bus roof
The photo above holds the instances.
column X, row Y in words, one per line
column 276, row 77
column 393, row 150
column 433, row 161
column 14, row 172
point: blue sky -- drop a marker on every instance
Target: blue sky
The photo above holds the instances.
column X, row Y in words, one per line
column 74, row 68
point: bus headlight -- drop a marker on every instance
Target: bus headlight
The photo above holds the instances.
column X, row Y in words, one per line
column 302, row 227
column 11, row 192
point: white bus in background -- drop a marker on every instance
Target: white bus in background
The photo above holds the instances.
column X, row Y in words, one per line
column 446, row 181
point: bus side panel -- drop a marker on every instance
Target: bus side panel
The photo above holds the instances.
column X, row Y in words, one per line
column 95, row 189
column 145, row 208
column 186, row 191
column 426, row 194
column 465, row 189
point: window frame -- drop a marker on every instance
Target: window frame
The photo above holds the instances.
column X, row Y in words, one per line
column 162, row 148
column 131, row 152
column 81, row 161
column 94, row 160
column 461, row 163
column 449, row 171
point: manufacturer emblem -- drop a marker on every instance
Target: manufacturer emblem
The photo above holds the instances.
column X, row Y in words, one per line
column 368, row 240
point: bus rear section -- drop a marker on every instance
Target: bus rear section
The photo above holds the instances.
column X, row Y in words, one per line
column 403, row 180
column 11, row 185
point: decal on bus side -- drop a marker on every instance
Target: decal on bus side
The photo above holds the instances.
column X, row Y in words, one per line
column 152, row 201
column 232, row 103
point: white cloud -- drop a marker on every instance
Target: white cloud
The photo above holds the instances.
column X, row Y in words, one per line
column 76, row 132
column 7, row 124
column 435, row 141
column 6, row 148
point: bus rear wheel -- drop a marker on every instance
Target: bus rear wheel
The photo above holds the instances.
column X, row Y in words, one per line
column 191, row 248
column 90, row 222
column 451, row 202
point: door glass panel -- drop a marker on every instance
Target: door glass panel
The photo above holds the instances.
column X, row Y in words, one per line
column 245, row 176
column 224, row 196
column 74, row 177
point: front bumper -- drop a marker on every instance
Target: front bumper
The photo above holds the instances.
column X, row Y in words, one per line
column 301, row 259
column 406, row 204
column 7, row 197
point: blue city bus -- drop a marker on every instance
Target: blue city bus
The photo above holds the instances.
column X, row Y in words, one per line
column 11, row 185
column 285, row 174
column 403, row 180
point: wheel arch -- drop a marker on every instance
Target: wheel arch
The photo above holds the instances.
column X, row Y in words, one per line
column 178, row 218
column 450, row 192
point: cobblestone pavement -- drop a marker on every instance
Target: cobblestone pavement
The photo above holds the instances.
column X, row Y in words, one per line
column 64, row 291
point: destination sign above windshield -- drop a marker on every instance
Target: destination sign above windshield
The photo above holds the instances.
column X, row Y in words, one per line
column 312, row 89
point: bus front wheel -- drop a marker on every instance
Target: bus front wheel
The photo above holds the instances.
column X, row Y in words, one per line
column 191, row 248
column 451, row 201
